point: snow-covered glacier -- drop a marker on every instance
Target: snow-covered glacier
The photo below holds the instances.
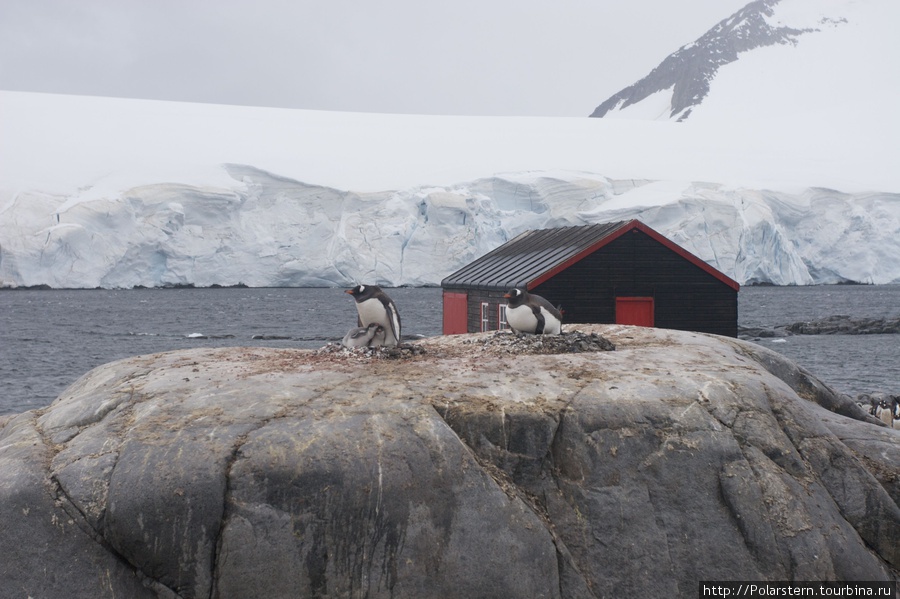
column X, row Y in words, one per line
column 252, row 227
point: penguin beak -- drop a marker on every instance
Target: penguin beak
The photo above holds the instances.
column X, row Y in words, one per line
column 348, row 291
column 507, row 296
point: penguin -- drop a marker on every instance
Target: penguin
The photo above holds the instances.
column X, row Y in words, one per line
column 374, row 305
column 530, row 313
column 370, row 336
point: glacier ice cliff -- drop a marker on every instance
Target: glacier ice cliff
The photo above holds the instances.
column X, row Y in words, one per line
column 268, row 230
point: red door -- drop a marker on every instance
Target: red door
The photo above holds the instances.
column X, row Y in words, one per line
column 634, row 310
column 455, row 313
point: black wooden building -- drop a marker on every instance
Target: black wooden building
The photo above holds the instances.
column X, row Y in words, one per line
column 621, row 272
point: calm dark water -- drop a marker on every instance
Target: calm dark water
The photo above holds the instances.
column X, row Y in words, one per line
column 849, row 363
column 50, row 338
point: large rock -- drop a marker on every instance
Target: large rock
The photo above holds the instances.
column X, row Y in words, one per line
column 468, row 471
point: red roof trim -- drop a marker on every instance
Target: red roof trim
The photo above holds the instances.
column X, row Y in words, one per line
column 633, row 225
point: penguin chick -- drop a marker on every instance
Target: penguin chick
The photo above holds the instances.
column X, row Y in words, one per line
column 370, row 336
column 378, row 337
column 374, row 305
column 530, row 313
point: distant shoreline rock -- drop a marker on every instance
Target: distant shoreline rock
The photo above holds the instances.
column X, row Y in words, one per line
column 846, row 325
column 475, row 466
column 830, row 325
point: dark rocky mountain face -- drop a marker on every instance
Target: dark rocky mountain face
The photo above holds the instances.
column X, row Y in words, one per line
column 689, row 70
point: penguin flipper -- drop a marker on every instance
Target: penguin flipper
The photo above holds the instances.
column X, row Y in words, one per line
column 539, row 329
column 393, row 316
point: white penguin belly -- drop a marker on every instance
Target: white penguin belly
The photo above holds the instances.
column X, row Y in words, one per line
column 372, row 310
column 522, row 319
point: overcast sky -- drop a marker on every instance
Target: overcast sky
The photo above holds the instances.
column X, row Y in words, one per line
column 468, row 57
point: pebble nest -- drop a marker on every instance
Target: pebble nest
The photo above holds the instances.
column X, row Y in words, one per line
column 573, row 342
column 497, row 343
column 404, row 350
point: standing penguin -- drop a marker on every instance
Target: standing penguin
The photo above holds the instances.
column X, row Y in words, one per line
column 373, row 305
column 370, row 336
column 530, row 313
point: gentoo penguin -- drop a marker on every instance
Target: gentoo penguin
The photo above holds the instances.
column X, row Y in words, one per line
column 370, row 336
column 530, row 313
column 374, row 305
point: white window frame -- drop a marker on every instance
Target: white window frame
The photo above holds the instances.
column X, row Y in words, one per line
column 501, row 317
column 485, row 316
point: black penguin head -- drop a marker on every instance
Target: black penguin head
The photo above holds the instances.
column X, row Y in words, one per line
column 515, row 297
column 363, row 292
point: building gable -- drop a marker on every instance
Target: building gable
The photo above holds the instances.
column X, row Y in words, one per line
column 630, row 227
column 531, row 258
column 591, row 270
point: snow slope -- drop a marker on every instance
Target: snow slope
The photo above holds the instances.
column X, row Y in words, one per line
column 59, row 144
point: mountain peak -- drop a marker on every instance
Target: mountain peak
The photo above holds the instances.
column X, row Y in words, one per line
column 684, row 77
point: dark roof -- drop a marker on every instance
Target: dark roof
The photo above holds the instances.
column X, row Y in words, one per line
column 531, row 258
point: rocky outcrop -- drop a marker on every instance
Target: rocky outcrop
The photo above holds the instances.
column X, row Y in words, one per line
column 846, row 325
column 466, row 469
column 838, row 324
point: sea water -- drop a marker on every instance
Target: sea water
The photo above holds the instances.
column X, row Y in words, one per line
column 49, row 338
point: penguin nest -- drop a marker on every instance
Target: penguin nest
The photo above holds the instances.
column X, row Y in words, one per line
column 497, row 343
column 522, row 343
column 404, row 350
